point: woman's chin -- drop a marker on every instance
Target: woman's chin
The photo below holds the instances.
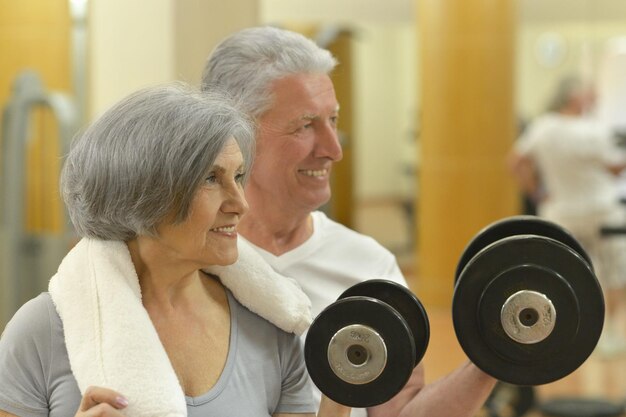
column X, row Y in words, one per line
column 226, row 259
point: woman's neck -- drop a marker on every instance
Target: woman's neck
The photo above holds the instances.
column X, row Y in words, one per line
column 164, row 281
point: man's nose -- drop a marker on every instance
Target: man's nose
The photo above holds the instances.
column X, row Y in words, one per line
column 328, row 144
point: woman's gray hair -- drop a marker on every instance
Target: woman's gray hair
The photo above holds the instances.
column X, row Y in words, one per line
column 146, row 157
column 246, row 63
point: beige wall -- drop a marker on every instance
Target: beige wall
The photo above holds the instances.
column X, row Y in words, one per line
column 136, row 43
column 583, row 44
column 130, row 45
column 200, row 25
column 385, row 74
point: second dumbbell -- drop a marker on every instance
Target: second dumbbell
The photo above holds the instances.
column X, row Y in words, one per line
column 361, row 350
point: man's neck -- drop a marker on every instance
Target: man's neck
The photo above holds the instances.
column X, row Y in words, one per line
column 275, row 231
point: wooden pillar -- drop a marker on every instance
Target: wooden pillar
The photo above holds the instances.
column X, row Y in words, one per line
column 468, row 126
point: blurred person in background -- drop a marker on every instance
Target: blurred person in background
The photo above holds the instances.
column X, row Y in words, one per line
column 578, row 161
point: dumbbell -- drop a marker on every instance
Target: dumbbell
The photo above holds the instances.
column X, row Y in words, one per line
column 360, row 351
column 527, row 307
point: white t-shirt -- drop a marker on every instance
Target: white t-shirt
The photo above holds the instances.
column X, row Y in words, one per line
column 572, row 154
column 333, row 259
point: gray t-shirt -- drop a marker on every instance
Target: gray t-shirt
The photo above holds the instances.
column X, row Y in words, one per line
column 264, row 372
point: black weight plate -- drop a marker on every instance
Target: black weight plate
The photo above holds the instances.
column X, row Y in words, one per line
column 391, row 327
column 542, row 280
column 405, row 303
column 518, row 225
column 498, row 271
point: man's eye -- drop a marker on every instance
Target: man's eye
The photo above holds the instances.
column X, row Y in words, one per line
column 303, row 127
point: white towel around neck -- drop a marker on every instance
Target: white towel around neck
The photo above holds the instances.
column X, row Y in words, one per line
column 109, row 336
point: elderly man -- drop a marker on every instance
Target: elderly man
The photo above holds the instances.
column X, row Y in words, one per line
column 282, row 80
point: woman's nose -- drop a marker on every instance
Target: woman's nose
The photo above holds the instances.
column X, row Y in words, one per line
column 235, row 201
column 328, row 144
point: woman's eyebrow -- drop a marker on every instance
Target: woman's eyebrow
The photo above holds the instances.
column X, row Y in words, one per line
column 218, row 169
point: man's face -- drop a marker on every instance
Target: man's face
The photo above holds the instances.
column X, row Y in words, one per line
column 297, row 143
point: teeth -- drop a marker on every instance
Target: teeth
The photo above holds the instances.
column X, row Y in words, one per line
column 315, row 173
column 229, row 229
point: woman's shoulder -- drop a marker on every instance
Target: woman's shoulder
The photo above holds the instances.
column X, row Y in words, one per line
column 34, row 317
column 29, row 368
column 254, row 330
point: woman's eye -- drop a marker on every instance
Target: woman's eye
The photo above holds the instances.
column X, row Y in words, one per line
column 240, row 176
column 211, row 179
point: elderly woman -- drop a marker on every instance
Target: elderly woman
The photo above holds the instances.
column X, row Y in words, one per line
column 132, row 325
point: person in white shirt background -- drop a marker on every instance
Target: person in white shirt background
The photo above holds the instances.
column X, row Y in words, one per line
column 577, row 161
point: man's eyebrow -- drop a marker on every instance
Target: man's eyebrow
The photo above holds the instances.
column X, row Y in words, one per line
column 304, row 118
column 308, row 117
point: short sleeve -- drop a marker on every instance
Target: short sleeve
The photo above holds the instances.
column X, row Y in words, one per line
column 392, row 271
column 25, row 359
column 296, row 391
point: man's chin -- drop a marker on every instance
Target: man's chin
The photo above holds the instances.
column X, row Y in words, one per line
column 318, row 202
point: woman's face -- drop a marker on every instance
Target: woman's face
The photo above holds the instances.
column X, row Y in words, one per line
column 208, row 236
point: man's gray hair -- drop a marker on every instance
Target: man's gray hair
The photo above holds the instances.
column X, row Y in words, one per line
column 145, row 159
column 246, row 63
column 566, row 88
